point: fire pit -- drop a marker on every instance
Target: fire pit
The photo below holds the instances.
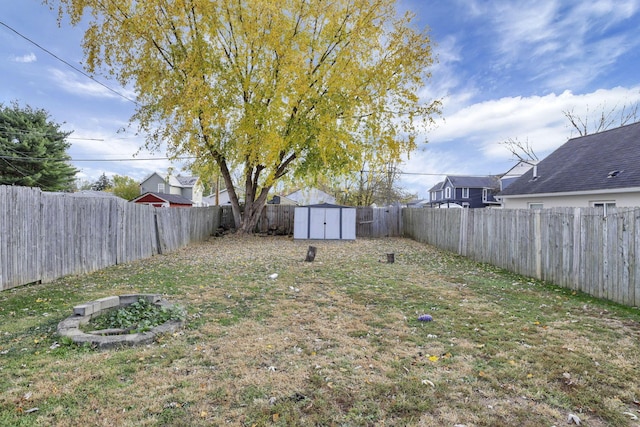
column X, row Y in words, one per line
column 72, row 326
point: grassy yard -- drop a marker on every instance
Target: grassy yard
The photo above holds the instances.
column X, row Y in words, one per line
column 335, row 342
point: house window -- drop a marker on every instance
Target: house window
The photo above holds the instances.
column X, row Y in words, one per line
column 465, row 193
column 535, row 206
column 161, row 188
column 447, row 193
column 485, row 195
column 604, row 205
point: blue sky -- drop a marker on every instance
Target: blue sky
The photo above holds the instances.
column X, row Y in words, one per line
column 506, row 69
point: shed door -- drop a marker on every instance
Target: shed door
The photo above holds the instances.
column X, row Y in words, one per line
column 332, row 224
column 317, row 223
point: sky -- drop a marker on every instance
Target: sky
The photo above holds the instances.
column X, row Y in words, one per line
column 505, row 69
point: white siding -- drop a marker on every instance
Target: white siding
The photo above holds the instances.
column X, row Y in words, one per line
column 630, row 199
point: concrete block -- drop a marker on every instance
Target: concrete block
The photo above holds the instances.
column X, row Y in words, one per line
column 108, row 302
column 84, row 309
column 128, row 299
column 152, row 298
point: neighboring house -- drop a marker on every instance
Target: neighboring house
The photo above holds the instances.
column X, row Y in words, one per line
column 282, row 200
column 465, row 191
column 163, row 200
column 188, row 187
column 223, row 199
column 308, row 196
column 418, row 203
column 598, row 170
column 514, row 173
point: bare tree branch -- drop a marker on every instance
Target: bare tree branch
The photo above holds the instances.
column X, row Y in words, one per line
column 521, row 150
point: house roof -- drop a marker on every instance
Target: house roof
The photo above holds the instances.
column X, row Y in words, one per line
column 473, row 181
column 310, row 196
column 175, row 181
column 169, row 198
column 607, row 160
column 92, row 193
column 187, row 181
column 437, row 187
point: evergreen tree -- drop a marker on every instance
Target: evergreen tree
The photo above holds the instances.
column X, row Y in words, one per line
column 33, row 150
column 103, row 183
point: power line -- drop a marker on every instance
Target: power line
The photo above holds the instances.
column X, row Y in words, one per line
column 191, row 158
column 68, row 64
column 93, row 160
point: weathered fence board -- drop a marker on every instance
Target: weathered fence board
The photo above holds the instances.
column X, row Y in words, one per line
column 44, row 236
column 575, row 248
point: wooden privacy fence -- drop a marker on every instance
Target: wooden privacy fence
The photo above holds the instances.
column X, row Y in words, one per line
column 44, row 236
column 370, row 222
column 576, row 248
column 379, row 222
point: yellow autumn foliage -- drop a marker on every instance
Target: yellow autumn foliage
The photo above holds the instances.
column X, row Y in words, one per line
column 264, row 87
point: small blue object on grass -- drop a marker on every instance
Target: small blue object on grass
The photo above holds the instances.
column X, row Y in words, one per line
column 425, row 318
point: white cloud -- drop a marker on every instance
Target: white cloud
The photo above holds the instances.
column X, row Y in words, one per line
column 558, row 42
column 493, row 121
column 78, row 84
column 29, row 57
column 467, row 141
column 112, row 153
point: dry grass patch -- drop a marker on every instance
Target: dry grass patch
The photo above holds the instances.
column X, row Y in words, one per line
column 332, row 342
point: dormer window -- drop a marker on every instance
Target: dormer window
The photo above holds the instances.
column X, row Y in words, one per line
column 614, row 173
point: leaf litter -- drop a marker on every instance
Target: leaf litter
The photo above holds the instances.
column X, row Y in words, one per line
column 343, row 332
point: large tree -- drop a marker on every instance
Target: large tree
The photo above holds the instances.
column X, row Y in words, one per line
column 265, row 87
column 33, row 150
column 125, row 187
column 372, row 184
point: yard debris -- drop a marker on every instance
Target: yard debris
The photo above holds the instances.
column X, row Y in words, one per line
column 573, row 419
column 631, row 415
column 273, row 276
column 311, row 254
column 425, row 318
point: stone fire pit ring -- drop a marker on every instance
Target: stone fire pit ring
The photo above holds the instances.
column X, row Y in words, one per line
column 83, row 313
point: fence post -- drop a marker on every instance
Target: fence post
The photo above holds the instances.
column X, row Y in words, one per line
column 462, row 243
column 538, row 242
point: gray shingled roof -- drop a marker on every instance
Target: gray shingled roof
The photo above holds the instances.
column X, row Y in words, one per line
column 473, row 181
column 585, row 164
column 437, row 187
column 171, row 198
column 188, row 181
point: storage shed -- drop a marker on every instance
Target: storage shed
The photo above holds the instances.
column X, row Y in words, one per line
column 325, row 222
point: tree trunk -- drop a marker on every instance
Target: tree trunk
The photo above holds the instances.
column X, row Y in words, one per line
column 253, row 210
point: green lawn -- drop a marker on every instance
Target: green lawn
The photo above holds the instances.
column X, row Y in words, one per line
column 332, row 342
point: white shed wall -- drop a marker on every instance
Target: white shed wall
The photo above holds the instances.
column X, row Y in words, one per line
column 324, row 223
